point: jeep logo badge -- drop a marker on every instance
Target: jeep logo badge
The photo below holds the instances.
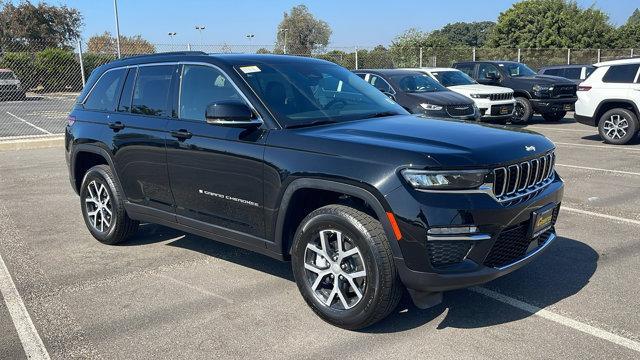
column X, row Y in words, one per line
column 530, row 148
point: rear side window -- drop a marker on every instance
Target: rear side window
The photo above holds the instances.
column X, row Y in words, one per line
column 625, row 74
column 554, row 72
column 151, row 94
column 466, row 68
column 106, row 92
column 573, row 73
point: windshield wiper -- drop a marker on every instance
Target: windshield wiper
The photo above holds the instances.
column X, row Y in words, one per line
column 313, row 123
column 381, row 114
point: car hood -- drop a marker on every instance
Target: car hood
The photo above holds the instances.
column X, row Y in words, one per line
column 442, row 98
column 444, row 143
column 480, row 89
column 545, row 79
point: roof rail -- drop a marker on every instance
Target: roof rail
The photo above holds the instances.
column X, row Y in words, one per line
column 165, row 54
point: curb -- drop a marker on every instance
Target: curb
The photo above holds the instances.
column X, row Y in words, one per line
column 26, row 144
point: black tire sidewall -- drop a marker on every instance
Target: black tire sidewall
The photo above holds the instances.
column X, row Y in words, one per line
column 358, row 234
column 631, row 133
column 528, row 111
column 99, row 174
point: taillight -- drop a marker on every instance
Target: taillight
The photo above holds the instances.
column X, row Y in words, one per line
column 584, row 88
column 71, row 120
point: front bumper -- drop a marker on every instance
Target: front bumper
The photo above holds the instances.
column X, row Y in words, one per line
column 551, row 105
column 418, row 211
column 493, row 110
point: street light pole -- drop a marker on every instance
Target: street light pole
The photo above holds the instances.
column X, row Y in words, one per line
column 115, row 8
column 284, row 48
column 200, row 28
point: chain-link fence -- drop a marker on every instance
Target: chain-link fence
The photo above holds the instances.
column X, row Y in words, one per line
column 38, row 85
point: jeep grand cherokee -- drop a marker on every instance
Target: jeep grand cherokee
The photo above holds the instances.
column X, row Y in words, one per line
column 265, row 152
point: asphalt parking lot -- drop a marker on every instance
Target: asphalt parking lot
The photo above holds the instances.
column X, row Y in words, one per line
column 171, row 295
column 36, row 116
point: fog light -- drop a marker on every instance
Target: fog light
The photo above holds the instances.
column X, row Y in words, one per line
column 452, row 230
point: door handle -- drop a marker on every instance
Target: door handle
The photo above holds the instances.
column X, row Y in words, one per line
column 181, row 134
column 116, row 126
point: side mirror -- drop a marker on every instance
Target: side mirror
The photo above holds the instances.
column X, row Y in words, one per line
column 492, row 76
column 232, row 114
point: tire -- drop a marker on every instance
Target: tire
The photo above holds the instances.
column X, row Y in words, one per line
column 618, row 126
column 523, row 111
column 554, row 116
column 379, row 287
column 110, row 224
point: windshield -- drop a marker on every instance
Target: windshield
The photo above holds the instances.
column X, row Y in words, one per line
column 301, row 93
column 417, row 83
column 517, row 69
column 453, row 78
column 7, row 75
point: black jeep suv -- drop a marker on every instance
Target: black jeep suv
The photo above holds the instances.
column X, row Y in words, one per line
column 300, row 159
column 549, row 96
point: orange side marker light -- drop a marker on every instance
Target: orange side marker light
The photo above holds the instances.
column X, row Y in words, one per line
column 394, row 226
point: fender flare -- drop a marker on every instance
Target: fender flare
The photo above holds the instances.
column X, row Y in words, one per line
column 90, row 148
column 379, row 206
column 597, row 114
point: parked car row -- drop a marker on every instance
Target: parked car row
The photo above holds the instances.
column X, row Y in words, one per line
column 10, row 86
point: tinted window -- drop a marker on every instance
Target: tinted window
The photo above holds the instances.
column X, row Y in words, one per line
column 453, row 78
column 573, row 73
column 589, row 71
column 152, row 90
column 484, row 69
column 361, row 75
column 517, row 69
column 554, row 72
column 106, row 92
column 201, row 86
column 417, row 83
column 380, row 84
column 127, row 91
column 300, row 93
column 466, row 68
column 621, row 73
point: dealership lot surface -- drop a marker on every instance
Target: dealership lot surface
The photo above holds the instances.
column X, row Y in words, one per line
column 38, row 115
column 168, row 295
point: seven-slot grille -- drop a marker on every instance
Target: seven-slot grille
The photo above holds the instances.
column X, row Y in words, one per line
column 460, row 110
column 498, row 97
column 516, row 180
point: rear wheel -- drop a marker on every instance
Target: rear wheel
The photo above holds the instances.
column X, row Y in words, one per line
column 523, row 112
column 343, row 266
column 618, row 126
column 103, row 207
column 554, row 116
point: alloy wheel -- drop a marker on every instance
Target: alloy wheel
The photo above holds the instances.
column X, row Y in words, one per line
column 615, row 127
column 335, row 271
column 98, row 206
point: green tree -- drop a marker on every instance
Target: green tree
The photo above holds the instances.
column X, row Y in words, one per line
column 304, row 33
column 105, row 43
column 464, row 33
column 405, row 48
column 634, row 19
column 551, row 24
column 29, row 27
column 628, row 35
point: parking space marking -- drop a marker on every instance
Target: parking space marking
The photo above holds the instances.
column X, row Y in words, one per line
column 599, row 169
column 28, row 123
column 562, row 320
column 598, row 146
column 31, row 342
column 604, row 216
column 555, row 129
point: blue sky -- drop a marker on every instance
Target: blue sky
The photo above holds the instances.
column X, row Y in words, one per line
column 354, row 22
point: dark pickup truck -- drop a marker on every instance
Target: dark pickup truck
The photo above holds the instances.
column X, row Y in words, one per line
column 549, row 96
column 300, row 159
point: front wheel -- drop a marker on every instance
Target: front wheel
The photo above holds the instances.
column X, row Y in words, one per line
column 523, row 111
column 618, row 126
column 554, row 116
column 343, row 266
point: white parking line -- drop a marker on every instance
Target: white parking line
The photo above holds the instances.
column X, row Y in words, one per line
column 598, row 146
column 562, row 320
column 28, row 123
column 556, row 129
column 604, row 216
column 31, row 341
column 599, row 169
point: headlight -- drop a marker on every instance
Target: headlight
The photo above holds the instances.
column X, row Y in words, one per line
column 431, row 107
column 538, row 87
column 479, row 96
column 446, row 179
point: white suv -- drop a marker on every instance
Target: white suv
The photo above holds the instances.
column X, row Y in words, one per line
column 494, row 102
column 610, row 100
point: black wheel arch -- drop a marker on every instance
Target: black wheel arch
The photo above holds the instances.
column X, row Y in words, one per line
column 610, row 104
column 373, row 200
column 79, row 168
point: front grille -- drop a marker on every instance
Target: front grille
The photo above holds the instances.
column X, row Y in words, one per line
column 498, row 97
column 8, row 87
column 518, row 180
column 512, row 243
column 460, row 110
column 495, row 109
column 443, row 253
column 564, row 91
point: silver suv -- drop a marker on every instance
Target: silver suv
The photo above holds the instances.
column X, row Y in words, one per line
column 10, row 86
